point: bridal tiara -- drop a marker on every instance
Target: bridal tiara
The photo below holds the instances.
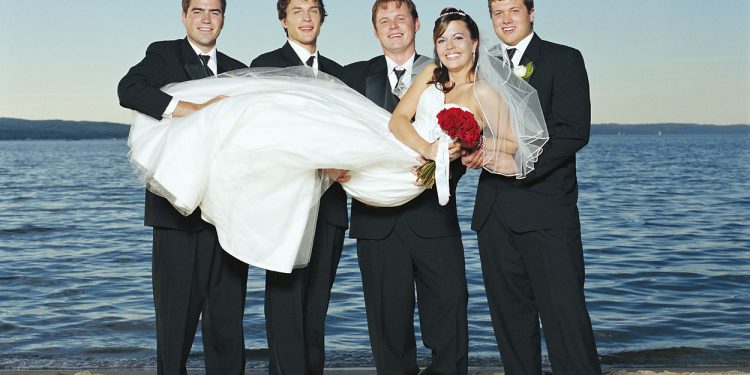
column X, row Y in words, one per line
column 460, row 13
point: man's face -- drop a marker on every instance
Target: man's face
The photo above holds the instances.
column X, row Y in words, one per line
column 511, row 20
column 302, row 21
column 203, row 22
column 395, row 28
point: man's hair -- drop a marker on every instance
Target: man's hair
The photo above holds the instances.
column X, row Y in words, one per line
column 186, row 6
column 282, row 4
column 383, row 4
column 529, row 4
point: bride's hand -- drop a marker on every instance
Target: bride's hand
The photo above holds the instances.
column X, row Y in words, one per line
column 430, row 151
column 454, row 150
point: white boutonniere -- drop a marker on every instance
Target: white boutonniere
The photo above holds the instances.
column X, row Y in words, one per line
column 524, row 71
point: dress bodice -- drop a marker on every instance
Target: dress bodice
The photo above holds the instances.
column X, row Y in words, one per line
column 431, row 102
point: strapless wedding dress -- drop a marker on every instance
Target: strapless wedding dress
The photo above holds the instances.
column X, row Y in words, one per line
column 252, row 161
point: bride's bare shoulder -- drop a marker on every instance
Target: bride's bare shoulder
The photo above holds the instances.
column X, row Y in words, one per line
column 426, row 74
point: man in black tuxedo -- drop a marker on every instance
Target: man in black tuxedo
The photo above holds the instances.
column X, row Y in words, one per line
column 419, row 242
column 192, row 275
column 528, row 230
column 297, row 303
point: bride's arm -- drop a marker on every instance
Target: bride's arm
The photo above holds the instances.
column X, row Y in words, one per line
column 400, row 123
column 499, row 137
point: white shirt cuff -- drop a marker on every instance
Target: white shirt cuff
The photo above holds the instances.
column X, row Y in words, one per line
column 170, row 108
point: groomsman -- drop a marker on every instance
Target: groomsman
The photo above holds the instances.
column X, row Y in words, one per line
column 529, row 230
column 192, row 275
column 297, row 303
column 417, row 243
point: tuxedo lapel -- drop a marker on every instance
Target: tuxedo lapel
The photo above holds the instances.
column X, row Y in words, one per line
column 377, row 86
column 221, row 63
column 290, row 56
column 532, row 54
column 191, row 63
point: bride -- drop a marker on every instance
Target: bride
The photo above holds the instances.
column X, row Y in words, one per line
column 253, row 160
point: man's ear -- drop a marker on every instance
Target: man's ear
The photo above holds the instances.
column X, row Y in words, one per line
column 417, row 25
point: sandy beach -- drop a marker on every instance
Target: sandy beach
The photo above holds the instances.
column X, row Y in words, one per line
column 740, row 371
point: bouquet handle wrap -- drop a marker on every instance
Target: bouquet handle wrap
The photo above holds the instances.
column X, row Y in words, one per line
column 442, row 170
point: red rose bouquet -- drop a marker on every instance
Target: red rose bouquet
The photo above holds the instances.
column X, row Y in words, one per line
column 461, row 126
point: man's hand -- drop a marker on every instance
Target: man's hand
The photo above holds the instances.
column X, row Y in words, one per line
column 186, row 108
column 472, row 159
column 339, row 175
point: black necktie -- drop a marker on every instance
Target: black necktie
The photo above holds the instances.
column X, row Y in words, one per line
column 511, row 52
column 310, row 61
column 204, row 60
column 399, row 89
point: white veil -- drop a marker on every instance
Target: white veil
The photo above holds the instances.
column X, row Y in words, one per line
column 511, row 111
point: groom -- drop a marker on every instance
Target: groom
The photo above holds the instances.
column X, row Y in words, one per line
column 192, row 276
column 297, row 303
column 419, row 242
column 528, row 230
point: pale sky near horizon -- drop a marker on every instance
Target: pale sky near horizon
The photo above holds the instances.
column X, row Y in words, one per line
column 648, row 61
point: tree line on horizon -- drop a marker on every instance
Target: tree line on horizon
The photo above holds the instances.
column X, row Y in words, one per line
column 19, row 129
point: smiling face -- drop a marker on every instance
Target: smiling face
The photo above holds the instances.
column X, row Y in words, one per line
column 454, row 46
column 302, row 22
column 203, row 21
column 395, row 28
column 511, row 20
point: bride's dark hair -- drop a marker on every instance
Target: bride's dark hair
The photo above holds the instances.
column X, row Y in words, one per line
column 440, row 75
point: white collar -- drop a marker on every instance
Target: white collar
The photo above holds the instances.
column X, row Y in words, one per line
column 212, row 63
column 304, row 54
column 408, row 65
column 520, row 48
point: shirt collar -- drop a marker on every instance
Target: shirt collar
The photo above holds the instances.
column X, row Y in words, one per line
column 212, row 63
column 520, row 48
column 409, row 65
column 304, row 54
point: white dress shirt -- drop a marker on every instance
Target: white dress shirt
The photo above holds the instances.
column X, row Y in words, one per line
column 212, row 64
column 520, row 48
column 407, row 75
column 304, row 54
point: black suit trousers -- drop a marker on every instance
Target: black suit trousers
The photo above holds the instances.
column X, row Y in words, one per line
column 296, row 306
column 531, row 276
column 390, row 268
column 193, row 275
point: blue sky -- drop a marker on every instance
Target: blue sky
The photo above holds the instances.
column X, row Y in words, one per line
column 648, row 61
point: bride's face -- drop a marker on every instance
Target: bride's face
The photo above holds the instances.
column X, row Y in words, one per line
column 455, row 48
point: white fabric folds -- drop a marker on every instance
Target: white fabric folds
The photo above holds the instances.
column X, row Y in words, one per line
column 251, row 161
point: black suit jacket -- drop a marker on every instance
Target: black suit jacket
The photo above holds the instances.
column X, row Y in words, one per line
column 424, row 214
column 166, row 62
column 547, row 198
column 333, row 202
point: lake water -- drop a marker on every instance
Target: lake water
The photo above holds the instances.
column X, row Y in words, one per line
column 666, row 231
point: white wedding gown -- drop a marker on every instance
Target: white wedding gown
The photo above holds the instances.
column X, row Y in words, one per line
column 251, row 161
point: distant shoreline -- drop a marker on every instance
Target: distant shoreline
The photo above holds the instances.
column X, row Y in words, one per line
column 18, row 129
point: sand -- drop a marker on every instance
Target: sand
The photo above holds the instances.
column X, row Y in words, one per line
column 742, row 371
